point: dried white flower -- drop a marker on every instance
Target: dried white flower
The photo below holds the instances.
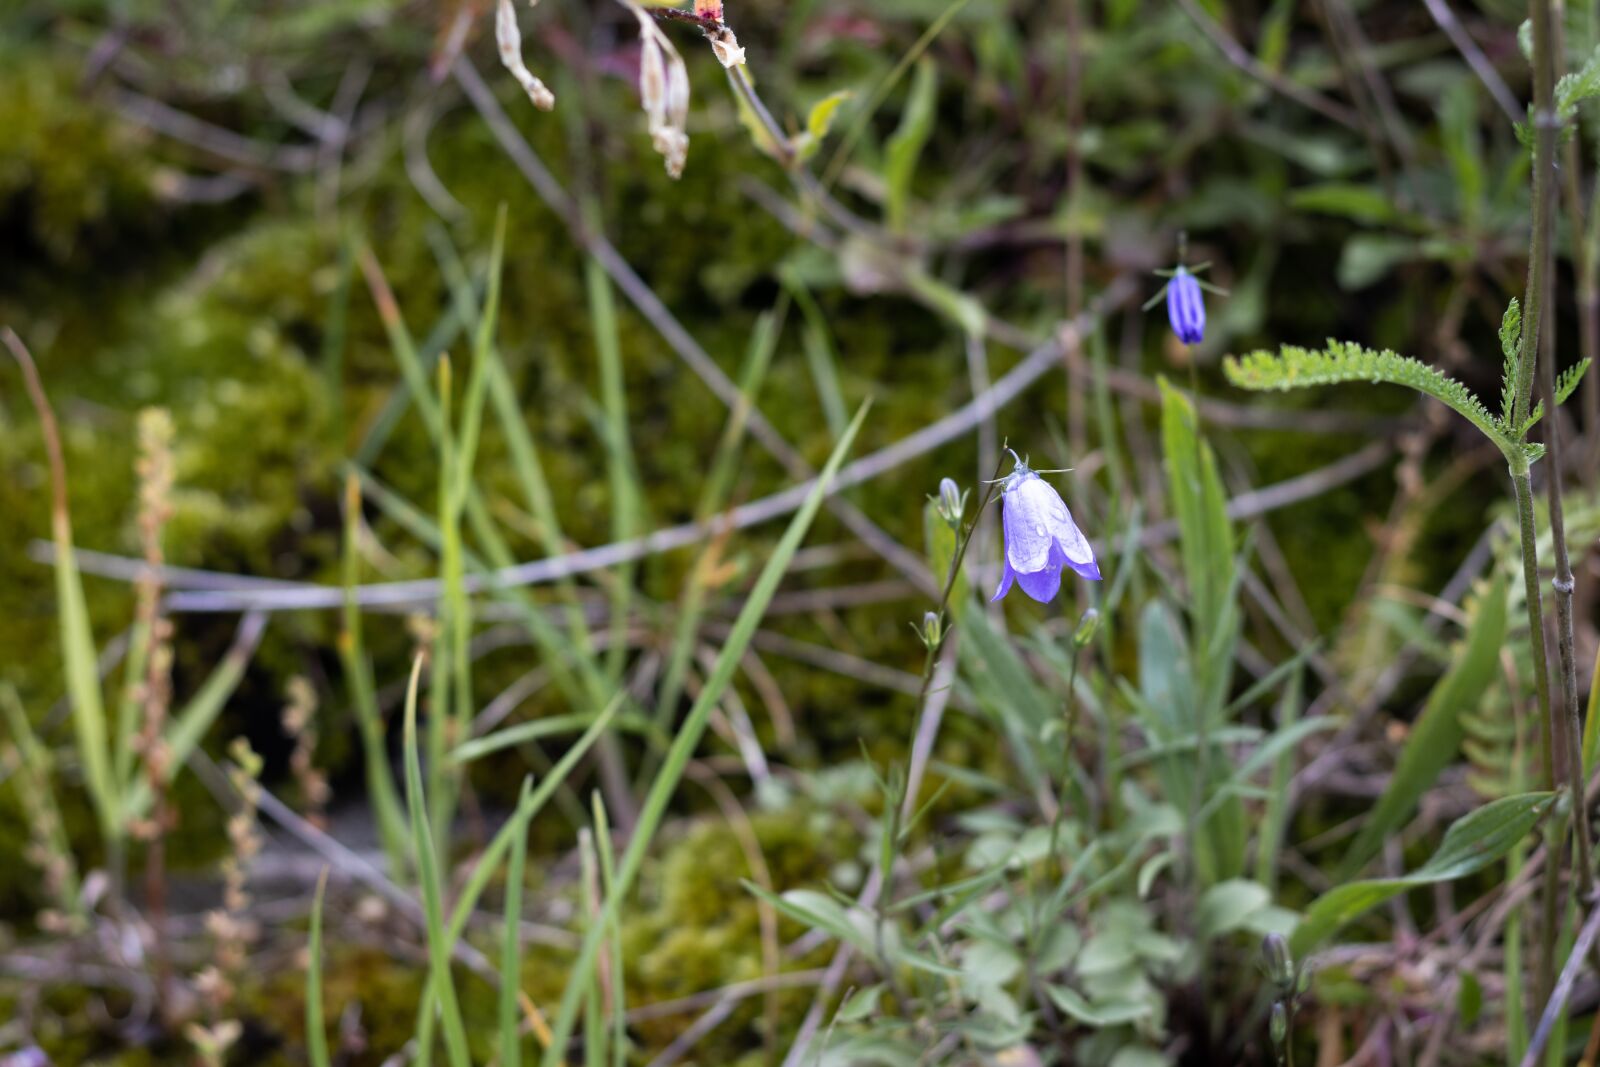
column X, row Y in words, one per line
column 509, row 38
column 726, row 46
column 664, row 91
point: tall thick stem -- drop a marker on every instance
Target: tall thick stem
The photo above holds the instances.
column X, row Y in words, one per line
column 1584, row 250
column 1562, row 586
column 1544, row 979
column 1533, row 307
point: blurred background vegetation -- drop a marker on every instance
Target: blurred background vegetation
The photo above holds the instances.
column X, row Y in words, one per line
column 186, row 189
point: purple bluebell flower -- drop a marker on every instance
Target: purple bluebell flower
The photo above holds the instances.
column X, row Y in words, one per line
column 1186, row 307
column 1040, row 538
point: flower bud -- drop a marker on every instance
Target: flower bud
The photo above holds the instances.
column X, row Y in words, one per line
column 1088, row 626
column 952, row 501
column 1280, row 1024
column 932, row 629
column 1277, row 962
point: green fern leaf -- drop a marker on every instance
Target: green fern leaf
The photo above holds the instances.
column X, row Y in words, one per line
column 1510, row 345
column 1343, row 361
column 1569, row 381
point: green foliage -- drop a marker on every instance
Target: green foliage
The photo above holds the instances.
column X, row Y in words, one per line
column 1576, row 87
column 316, row 1035
column 1567, row 382
column 819, row 120
column 1341, row 361
column 1184, row 682
column 905, row 146
column 1472, row 843
column 1511, row 348
column 1435, row 739
column 71, row 174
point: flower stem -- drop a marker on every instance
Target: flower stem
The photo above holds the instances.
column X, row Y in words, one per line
column 1562, row 587
column 1545, row 975
column 1544, row 123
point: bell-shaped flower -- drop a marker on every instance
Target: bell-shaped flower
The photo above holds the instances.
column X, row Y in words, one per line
column 1040, row 538
column 1186, row 307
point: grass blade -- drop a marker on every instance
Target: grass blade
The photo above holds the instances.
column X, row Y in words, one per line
column 688, row 737
column 188, row 728
column 77, row 641
column 467, row 899
column 1436, row 738
column 627, row 501
column 1472, row 843
column 381, row 789
column 455, row 1034
column 316, row 1031
column 511, row 946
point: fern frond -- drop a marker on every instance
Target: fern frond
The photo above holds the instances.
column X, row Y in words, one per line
column 1510, row 345
column 1569, row 381
column 1344, row 361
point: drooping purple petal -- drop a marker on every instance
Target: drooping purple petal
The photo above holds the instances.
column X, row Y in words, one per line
column 1042, row 585
column 1186, row 308
column 1085, row 568
column 1007, row 577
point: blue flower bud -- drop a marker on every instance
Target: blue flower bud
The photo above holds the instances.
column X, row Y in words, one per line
column 1186, row 307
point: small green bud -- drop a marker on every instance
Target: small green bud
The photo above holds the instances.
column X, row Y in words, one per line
column 1277, row 962
column 1280, row 1024
column 952, row 501
column 932, row 629
column 1088, row 626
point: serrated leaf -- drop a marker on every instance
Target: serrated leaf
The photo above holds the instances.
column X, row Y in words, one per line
column 1511, row 348
column 1293, row 367
column 1569, row 381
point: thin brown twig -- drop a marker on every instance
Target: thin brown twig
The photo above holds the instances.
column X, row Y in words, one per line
column 1447, row 21
column 1236, row 54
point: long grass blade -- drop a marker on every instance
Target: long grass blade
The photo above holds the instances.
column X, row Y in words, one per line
column 381, row 790
column 77, row 640
column 455, row 1034
column 316, row 1031
column 688, row 737
column 511, row 944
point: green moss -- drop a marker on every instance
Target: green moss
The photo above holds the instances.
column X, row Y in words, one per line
column 70, row 173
